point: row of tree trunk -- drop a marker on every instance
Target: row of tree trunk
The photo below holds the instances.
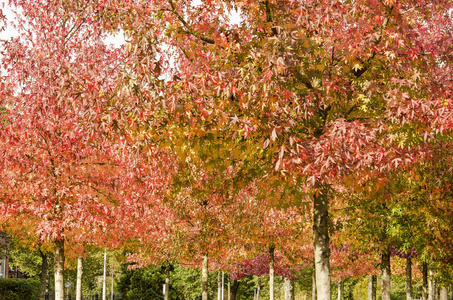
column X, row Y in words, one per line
column 429, row 284
column 232, row 290
column 428, row 292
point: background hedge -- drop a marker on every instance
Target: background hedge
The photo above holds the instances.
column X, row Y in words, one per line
column 19, row 289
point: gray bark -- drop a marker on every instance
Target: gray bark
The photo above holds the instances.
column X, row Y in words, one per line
column 79, row 279
column 372, row 280
column 340, row 289
column 271, row 272
column 104, row 282
column 436, row 289
column 313, row 280
column 408, row 279
column 385, row 269
column 219, row 286
column 321, row 244
column 229, row 290
column 289, row 289
column 44, row 275
column 431, row 290
column 425, row 281
column 167, row 281
column 443, row 293
column 204, row 278
column 258, row 288
column 59, row 269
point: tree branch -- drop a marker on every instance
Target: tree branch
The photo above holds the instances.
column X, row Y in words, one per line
column 367, row 64
column 73, row 31
column 186, row 25
column 269, row 17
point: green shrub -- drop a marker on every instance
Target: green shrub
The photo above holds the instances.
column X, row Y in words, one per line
column 19, row 289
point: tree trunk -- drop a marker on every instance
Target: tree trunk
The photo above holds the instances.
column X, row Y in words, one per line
column 44, row 275
column 321, row 244
column 430, row 285
column 167, row 281
column 271, row 272
column 425, row 281
column 104, row 282
column 436, row 290
column 258, row 288
column 340, row 289
column 289, row 289
column 204, row 278
column 79, row 279
column 408, row 279
column 313, row 281
column 443, row 293
column 219, row 286
column 372, row 287
column 385, row 269
column 59, row 269
column 234, row 289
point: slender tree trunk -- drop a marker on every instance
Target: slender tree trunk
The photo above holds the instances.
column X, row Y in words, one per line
column 340, row 289
column 408, row 279
column 321, row 244
column 234, row 289
column 430, row 285
column 385, row 269
column 59, row 269
column 372, row 287
column 425, row 281
column 219, row 286
column 289, row 289
column 167, row 281
column 112, row 296
column 104, row 282
column 204, row 278
column 313, row 281
column 44, row 275
column 443, row 293
column 229, row 289
column 271, row 272
column 79, row 279
column 436, row 290
column 258, row 288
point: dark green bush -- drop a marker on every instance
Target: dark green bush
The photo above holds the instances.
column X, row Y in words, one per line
column 19, row 289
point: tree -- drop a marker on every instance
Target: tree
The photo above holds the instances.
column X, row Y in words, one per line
column 57, row 170
column 312, row 91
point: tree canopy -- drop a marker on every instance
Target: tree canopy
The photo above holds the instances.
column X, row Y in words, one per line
column 202, row 138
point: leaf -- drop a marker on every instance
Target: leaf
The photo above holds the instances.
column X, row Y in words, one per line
column 273, row 135
column 357, row 67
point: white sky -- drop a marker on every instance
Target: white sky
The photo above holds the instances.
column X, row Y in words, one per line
column 116, row 40
column 9, row 32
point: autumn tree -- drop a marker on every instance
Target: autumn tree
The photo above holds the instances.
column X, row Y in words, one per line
column 57, row 169
column 312, row 90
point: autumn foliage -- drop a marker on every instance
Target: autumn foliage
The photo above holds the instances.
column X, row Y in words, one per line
column 202, row 137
